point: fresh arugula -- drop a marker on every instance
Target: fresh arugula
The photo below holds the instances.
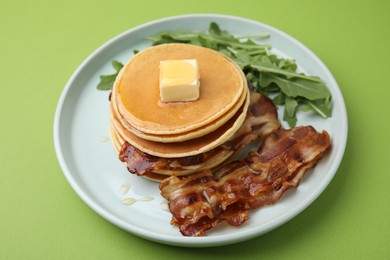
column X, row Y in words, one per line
column 107, row 81
column 268, row 74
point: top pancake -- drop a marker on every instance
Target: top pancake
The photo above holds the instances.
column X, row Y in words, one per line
column 138, row 100
column 180, row 137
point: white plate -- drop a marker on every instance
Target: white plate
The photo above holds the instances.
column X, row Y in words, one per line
column 92, row 168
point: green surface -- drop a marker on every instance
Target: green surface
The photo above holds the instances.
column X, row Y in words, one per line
column 43, row 42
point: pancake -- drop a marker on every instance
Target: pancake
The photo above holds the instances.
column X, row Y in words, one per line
column 160, row 174
column 210, row 163
column 180, row 137
column 116, row 139
column 186, row 148
column 138, row 99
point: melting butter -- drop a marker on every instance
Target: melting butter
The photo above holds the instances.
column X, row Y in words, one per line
column 179, row 80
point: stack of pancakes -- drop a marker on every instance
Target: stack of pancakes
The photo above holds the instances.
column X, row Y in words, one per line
column 178, row 129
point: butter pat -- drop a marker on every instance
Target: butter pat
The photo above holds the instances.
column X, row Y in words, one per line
column 179, row 80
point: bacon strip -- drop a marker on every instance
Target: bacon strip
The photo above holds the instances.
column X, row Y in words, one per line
column 200, row 201
column 261, row 120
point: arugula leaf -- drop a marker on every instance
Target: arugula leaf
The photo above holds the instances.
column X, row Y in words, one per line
column 322, row 109
column 214, row 28
column 107, row 81
column 295, row 87
column 291, row 120
column 291, row 106
column 290, row 109
column 117, row 65
column 279, row 99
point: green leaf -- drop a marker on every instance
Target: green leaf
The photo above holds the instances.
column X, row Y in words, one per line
column 273, row 88
column 292, row 121
column 297, row 87
column 117, row 65
column 291, row 106
column 290, row 109
column 208, row 44
column 172, row 37
column 225, row 52
column 304, row 108
column 214, row 28
column 250, row 76
column 322, row 109
column 279, row 99
column 107, row 81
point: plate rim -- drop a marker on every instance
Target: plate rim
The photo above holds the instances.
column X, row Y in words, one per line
column 205, row 241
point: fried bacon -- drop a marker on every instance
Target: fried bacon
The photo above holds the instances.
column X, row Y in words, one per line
column 200, row 201
column 261, row 120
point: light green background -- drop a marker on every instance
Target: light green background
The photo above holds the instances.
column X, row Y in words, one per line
column 43, row 42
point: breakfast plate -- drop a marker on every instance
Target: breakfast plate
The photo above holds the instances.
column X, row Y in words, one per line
column 91, row 166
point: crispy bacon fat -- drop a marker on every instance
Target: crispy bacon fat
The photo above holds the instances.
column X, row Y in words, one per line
column 261, row 120
column 200, row 201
